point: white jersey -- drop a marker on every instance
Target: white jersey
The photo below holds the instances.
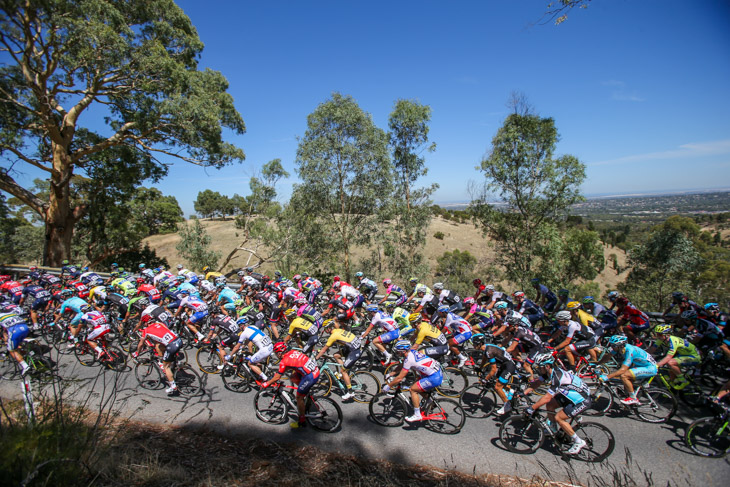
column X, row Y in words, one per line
column 384, row 320
column 349, row 292
column 423, row 364
column 427, row 298
column 259, row 338
column 206, row 285
column 193, row 303
column 457, row 324
column 164, row 275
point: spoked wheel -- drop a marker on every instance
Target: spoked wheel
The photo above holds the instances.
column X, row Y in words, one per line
column 454, row 384
column 187, row 381
column 148, row 375
column 8, row 369
column 236, row 378
column 84, row 354
column 601, row 400
column 42, row 369
column 709, row 437
column 270, row 406
column 692, row 395
column 478, row 400
column 208, row 359
column 445, row 416
column 388, row 409
column 61, row 342
column 323, row 413
column 114, row 359
column 323, row 386
column 657, row 405
column 364, row 385
column 599, row 442
column 520, row 434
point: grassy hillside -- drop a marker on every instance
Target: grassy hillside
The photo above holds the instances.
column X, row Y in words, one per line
column 462, row 236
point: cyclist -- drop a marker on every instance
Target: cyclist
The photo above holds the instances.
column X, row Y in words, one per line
column 350, row 348
column 343, row 308
column 492, row 297
column 418, row 288
column 305, row 375
column 226, row 328
column 637, row 364
column 154, row 313
column 438, row 343
column 503, row 366
column 15, row 330
column 13, row 289
column 167, row 345
column 430, row 375
column 312, row 288
column 527, row 308
column 460, row 332
column 590, row 306
column 103, row 298
column 367, row 287
column 69, row 270
column 395, row 291
column 563, row 300
column 308, row 331
column 681, row 353
column 483, row 318
column 227, row 297
column 40, row 299
column 578, row 338
column 585, row 318
column 630, row 320
column 210, row 275
column 612, row 297
column 148, row 274
column 480, row 288
column 708, row 333
column 566, row 389
column 389, row 326
column 449, row 298
column 89, row 278
column 76, row 305
column 351, row 294
column 96, row 321
column 545, row 299
column 189, row 275
column 528, row 339
column 198, row 311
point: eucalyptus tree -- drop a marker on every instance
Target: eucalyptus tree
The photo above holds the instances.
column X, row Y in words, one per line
column 104, row 88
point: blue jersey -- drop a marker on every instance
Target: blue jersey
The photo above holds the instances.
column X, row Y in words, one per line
column 568, row 385
column 637, row 357
column 74, row 304
column 228, row 295
column 188, row 286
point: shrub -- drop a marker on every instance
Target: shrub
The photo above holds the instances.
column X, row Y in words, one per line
column 439, row 235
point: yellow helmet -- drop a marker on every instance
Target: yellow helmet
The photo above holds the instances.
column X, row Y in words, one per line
column 573, row 305
column 290, row 312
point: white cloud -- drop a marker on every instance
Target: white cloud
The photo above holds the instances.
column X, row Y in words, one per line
column 691, row 150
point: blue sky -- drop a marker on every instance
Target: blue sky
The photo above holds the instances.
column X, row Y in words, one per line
column 639, row 90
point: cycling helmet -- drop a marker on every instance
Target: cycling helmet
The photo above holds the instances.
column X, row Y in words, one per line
column 85, row 268
column 713, row 307
column 622, row 301
column 359, row 275
column 297, row 278
column 266, row 278
column 206, row 268
column 65, row 262
column 300, row 301
column 443, row 309
column 563, row 292
column 183, row 292
column 544, row 359
column 501, row 305
column 513, row 319
column 249, row 269
column 336, row 279
column 589, row 300
column 114, row 265
column 179, row 267
column 140, row 280
column 439, row 286
column 573, row 305
column 305, row 274
column 142, row 302
column 489, row 287
column 402, row 345
column 477, row 282
column 413, row 280
column 280, row 347
column 341, row 316
column 221, row 279
column 141, row 266
column 562, row 315
column 689, row 315
column 114, row 274
column 290, row 312
column 238, row 303
column 180, row 278
column 34, row 268
column 612, row 296
column 277, row 273
column 518, row 294
column 469, row 301
column 240, row 273
column 387, row 282
column 337, row 285
column 158, row 270
column 617, row 340
column 330, row 292
column 372, row 308
column 677, row 296
column 66, row 292
column 663, row 329
column 220, row 283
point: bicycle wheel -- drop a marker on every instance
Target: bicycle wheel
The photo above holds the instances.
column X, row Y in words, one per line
column 270, row 406
column 208, row 359
column 520, row 434
column 323, row 386
column 323, row 413
column 84, row 354
column 42, row 369
column 148, row 375
column 478, row 401
column 236, row 378
column 61, row 342
column 692, row 395
column 444, row 416
column 364, row 385
column 365, row 362
column 187, row 381
column 387, row 409
column 599, row 442
column 8, row 369
column 657, row 405
column 454, row 384
column 709, row 437
column 601, row 400
column 115, row 359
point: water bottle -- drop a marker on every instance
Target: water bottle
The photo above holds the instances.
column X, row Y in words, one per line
column 551, row 426
column 510, row 393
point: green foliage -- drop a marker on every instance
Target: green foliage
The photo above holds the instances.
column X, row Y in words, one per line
column 439, row 235
column 589, row 288
column 194, row 246
column 343, row 163
column 157, row 212
column 211, row 203
column 135, row 62
column 27, row 244
column 457, row 270
column 537, row 189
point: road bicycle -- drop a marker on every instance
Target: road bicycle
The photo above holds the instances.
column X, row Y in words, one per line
column 237, row 374
column 440, row 415
column 480, row 398
column 656, row 405
column 364, row 384
column 150, row 374
column 273, row 405
column 42, row 368
column 710, row 436
column 112, row 357
column 525, row 434
column 454, row 383
column 690, row 393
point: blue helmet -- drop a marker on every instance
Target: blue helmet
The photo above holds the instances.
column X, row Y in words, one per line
column 617, row 340
column 402, row 345
column 443, row 309
column 501, row 305
column 544, row 359
column 712, row 307
column 372, row 308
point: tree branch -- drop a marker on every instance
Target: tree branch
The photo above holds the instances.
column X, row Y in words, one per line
column 8, row 184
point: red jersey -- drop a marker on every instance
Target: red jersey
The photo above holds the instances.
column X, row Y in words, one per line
column 159, row 333
column 80, row 288
column 294, row 359
column 632, row 314
column 12, row 287
column 151, row 291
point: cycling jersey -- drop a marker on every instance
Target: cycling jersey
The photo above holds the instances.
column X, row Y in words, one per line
column 680, row 347
column 384, row 320
column 634, row 316
column 423, row 364
column 300, row 324
column 637, row 357
column 567, row 385
column 432, row 333
column 254, row 334
column 158, row 332
column 301, row 363
column 497, row 354
column 579, row 331
column 158, row 313
column 310, row 314
column 457, row 324
column 151, row 292
column 227, row 324
column 194, row 304
column 527, row 337
column 344, row 337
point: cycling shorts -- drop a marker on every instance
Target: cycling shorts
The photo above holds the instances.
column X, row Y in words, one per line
column 171, row 349
column 506, row 371
column 16, row 335
column 77, row 319
column 17, row 297
column 550, row 305
column 581, row 345
column 432, row 381
column 462, row 337
column 98, row 332
column 358, row 301
column 198, row 316
column 352, row 357
column 389, row 336
column 39, row 303
column 687, row 360
column 640, row 327
column 573, row 410
column 436, row 351
column 306, row 382
column 456, row 307
column 401, row 300
column 229, row 307
column 262, row 354
column 644, row 372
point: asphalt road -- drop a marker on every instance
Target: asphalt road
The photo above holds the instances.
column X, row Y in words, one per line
column 651, row 454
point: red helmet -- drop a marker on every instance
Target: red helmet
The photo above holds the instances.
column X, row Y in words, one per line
column 336, row 278
column 280, row 347
column 140, row 280
column 469, row 300
column 518, row 294
column 622, row 301
column 477, row 282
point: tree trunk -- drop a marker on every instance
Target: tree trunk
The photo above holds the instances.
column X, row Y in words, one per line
column 59, row 218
